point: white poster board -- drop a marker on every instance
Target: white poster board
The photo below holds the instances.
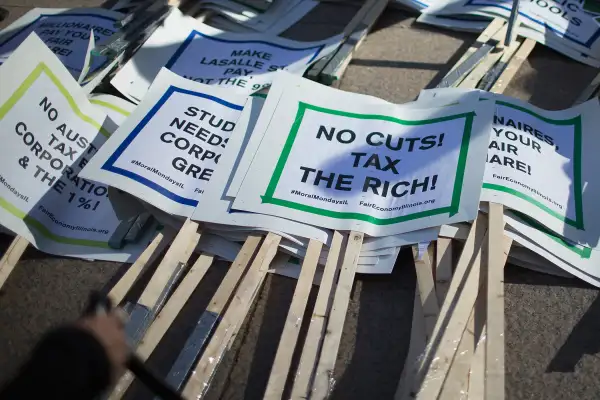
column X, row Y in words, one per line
column 166, row 152
column 50, row 132
column 379, row 169
column 565, row 21
column 65, row 31
column 544, row 163
column 216, row 205
column 243, row 62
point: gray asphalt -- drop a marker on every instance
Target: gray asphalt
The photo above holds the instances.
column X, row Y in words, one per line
column 552, row 324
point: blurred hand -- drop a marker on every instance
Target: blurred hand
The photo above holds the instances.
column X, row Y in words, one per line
column 109, row 330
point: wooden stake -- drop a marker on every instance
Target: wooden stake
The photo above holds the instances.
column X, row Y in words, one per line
column 459, row 370
column 491, row 30
column 11, row 257
column 453, row 317
column 239, row 266
column 416, row 349
column 471, row 81
column 291, row 330
column 443, row 267
column 180, row 252
column 323, row 383
column 476, row 387
column 160, row 241
column 233, row 318
column 165, row 318
column 429, row 301
column 494, row 358
column 318, row 323
column 477, row 374
column 513, row 66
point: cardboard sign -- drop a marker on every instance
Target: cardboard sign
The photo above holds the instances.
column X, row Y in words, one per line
column 169, row 148
column 544, row 164
column 379, row 169
column 216, row 205
column 50, row 133
column 244, row 62
column 65, row 31
column 557, row 21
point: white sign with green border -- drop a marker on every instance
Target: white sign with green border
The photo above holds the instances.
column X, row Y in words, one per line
column 543, row 163
column 381, row 169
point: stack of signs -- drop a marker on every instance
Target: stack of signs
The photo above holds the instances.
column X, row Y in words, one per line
column 567, row 26
column 257, row 16
column 543, row 166
column 467, row 23
column 359, row 166
column 368, row 165
column 51, row 131
column 186, row 146
column 244, row 63
column 69, row 33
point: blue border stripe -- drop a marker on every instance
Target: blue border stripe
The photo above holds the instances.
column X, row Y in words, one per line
column 160, row 189
column 563, row 34
column 195, row 33
column 18, row 32
column 109, row 165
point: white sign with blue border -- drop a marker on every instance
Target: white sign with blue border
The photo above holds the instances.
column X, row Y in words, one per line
column 166, row 152
column 243, row 62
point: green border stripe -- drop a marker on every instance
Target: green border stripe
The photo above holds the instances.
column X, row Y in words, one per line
column 35, row 74
column 111, row 106
column 4, row 109
column 41, row 228
column 358, row 216
column 578, row 223
column 581, row 251
column 289, row 143
column 462, row 164
column 529, row 199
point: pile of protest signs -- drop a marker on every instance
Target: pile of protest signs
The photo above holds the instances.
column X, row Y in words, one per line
column 569, row 27
column 399, row 174
column 305, row 180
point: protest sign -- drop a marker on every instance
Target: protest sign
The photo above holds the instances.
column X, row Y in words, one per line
column 114, row 107
column 379, row 169
column 258, row 131
column 50, row 132
column 244, row 62
column 538, row 162
column 65, row 31
column 167, row 150
column 543, row 163
column 216, row 205
column 565, row 20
